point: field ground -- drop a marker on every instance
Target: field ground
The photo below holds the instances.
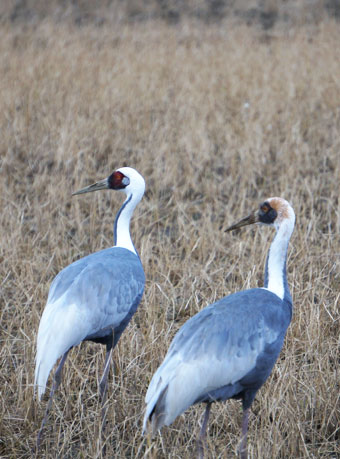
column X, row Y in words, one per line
column 217, row 116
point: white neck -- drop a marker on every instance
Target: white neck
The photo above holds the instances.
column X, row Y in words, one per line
column 276, row 280
column 121, row 231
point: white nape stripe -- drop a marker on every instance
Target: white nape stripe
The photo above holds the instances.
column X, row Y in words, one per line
column 122, row 225
column 277, row 257
column 276, row 261
column 134, row 193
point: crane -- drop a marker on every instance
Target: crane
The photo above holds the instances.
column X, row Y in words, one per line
column 94, row 298
column 229, row 348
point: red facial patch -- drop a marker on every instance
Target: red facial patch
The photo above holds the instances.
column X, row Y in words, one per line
column 116, row 180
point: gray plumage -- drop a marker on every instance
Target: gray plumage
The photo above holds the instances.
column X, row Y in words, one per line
column 235, row 341
column 95, row 297
column 229, row 348
column 91, row 299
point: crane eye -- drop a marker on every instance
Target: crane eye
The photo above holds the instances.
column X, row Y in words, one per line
column 118, row 181
column 265, row 207
column 267, row 213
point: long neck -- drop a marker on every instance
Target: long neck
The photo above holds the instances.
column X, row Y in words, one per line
column 275, row 273
column 121, row 228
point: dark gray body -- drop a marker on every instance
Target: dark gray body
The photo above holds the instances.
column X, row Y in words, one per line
column 110, row 283
column 229, row 348
column 253, row 319
column 93, row 299
column 225, row 351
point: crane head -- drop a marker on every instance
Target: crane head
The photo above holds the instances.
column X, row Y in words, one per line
column 118, row 180
column 270, row 212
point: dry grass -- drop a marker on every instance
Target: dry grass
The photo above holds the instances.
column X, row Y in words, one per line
column 216, row 118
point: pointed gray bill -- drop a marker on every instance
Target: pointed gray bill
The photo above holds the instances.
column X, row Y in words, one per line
column 101, row 185
column 252, row 218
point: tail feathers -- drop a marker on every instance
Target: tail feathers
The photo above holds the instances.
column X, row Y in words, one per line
column 59, row 330
column 41, row 376
column 155, row 414
column 175, row 386
column 44, row 364
column 155, row 399
column 172, row 394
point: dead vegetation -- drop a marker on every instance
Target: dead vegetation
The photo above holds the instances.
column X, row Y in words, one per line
column 216, row 118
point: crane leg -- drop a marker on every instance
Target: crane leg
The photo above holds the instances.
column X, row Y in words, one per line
column 243, row 446
column 102, row 391
column 201, row 442
column 55, row 385
column 103, row 381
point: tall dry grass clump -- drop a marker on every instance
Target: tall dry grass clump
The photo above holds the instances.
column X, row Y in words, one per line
column 216, row 118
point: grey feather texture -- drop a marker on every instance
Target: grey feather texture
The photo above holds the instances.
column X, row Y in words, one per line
column 227, row 348
column 95, row 297
column 91, row 299
column 107, row 283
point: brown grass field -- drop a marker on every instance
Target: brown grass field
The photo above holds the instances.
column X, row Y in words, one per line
column 217, row 116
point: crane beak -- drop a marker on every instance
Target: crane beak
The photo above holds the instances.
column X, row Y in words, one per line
column 101, row 185
column 252, row 218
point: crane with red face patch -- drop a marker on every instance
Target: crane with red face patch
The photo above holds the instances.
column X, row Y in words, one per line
column 94, row 298
column 229, row 348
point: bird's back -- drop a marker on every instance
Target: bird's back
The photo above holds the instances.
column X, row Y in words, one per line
column 226, row 348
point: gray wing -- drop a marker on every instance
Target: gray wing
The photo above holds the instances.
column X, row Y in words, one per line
column 89, row 299
column 105, row 286
column 235, row 339
column 233, row 326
